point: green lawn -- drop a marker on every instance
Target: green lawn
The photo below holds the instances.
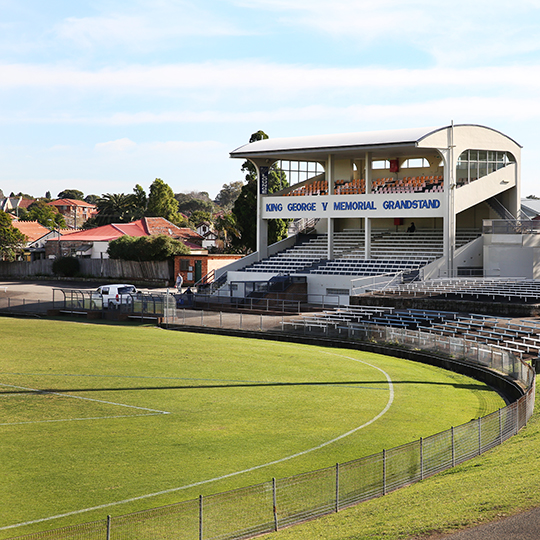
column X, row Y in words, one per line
column 93, row 414
column 502, row 482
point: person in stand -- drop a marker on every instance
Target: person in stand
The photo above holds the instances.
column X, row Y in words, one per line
column 412, row 227
column 179, row 281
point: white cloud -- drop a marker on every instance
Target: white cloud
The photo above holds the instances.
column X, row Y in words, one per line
column 120, row 145
column 270, row 77
column 457, row 33
column 146, row 25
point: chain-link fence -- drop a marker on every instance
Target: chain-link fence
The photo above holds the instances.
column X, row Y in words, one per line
column 266, row 507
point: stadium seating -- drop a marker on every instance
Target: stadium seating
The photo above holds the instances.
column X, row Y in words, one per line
column 391, row 252
column 407, row 184
column 520, row 337
column 480, row 289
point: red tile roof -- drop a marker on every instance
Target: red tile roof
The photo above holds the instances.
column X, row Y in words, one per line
column 141, row 227
column 71, row 202
column 25, row 203
column 31, row 229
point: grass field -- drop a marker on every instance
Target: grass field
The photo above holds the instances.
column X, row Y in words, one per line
column 95, row 414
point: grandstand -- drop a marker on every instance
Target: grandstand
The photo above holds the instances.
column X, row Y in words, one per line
column 519, row 336
column 409, row 203
column 483, row 289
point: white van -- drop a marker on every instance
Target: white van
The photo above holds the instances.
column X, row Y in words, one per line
column 113, row 296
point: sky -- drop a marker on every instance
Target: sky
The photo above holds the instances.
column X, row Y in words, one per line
column 102, row 95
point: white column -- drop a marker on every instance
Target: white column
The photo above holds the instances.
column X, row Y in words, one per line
column 368, row 173
column 367, row 238
column 368, row 176
column 330, row 181
column 449, row 220
column 262, row 224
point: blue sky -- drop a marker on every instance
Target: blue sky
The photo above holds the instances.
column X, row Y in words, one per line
column 102, row 95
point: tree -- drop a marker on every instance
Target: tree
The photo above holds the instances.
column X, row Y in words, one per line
column 71, row 194
column 161, row 202
column 227, row 229
column 199, row 217
column 45, row 214
column 228, row 194
column 11, row 239
column 48, row 195
column 113, row 208
column 194, row 201
column 91, row 199
column 21, row 194
column 146, row 248
column 140, row 202
column 244, row 206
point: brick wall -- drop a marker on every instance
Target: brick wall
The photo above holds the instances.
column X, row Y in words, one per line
column 185, row 265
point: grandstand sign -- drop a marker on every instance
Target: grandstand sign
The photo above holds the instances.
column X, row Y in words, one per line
column 372, row 206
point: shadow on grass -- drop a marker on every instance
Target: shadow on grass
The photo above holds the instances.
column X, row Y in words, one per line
column 367, row 385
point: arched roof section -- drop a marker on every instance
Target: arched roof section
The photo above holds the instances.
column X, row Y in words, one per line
column 317, row 147
column 467, row 135
column 380, row 143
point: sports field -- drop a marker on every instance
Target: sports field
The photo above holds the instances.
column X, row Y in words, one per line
column 122, row 418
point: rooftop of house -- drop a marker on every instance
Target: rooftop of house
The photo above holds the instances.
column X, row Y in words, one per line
column 71, row 202
column 142, row 227
column 31, row 229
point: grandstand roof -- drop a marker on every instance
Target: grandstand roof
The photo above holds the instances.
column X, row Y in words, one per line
column 319, row 146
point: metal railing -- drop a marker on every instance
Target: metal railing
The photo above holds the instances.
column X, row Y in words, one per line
column 511, row 226
column 73, row 301
column 278, row 503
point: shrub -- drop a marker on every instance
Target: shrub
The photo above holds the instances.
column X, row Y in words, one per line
column 146, row 248
column 66, row 266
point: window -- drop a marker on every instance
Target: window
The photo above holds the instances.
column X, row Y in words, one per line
column 415, row 163
column 184, row 265
column 298, row 171
column 474, row 164
column 380, row 164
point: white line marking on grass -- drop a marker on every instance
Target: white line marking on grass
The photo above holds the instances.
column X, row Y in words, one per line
column 45, row 392
column 80, row 419
column 237, row 473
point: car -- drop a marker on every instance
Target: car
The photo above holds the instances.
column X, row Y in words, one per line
column 115, row 295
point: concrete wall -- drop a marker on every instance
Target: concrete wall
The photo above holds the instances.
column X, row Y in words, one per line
column 512, row 255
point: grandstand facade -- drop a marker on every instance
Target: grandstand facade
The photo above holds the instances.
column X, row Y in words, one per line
column 375, row 185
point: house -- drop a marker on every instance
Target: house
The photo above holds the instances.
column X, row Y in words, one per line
column 93, row 243
column 76, row 213
column 12, row 204
column 210, row 237
column 37, row 236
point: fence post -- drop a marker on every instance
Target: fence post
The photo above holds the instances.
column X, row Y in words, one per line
column 453, row 448
column 479, row 435
column 337, row 487
column 261, row 323
column 200, row 517
column 202, row 317
column 240, row 321
column 108, row 527
column 421, row 458
column 221, row 319
column 500, row 427
column 274, row 501
column 384, row 472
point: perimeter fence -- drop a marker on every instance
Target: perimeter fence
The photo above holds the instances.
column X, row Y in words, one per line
column 278, row 503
